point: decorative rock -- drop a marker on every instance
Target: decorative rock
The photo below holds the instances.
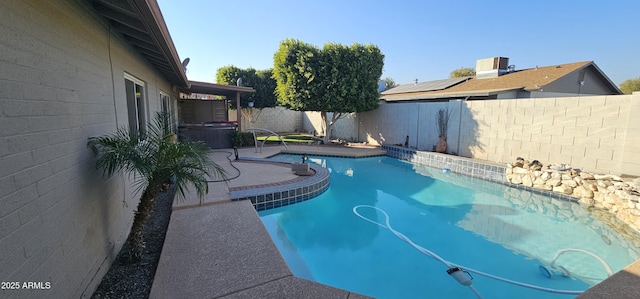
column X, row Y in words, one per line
column 543, row 187
column 563, row 189
column 607, row 177
column 582, row 192
column 601, row 177
column 588, row 202
column 621, row 199
column 604, row 184
column 545, row 176
column 590, row 186
column 615, row 178
column 538, row 182
column 553, row 182
column 623, row 194
column 570, row 183
column 587, row 176
column 610, row 198
column 520, row 170
column 578, row 180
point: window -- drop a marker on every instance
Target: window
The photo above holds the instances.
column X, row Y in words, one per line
column 167, row 108
column 135, row 104
column 166, row 104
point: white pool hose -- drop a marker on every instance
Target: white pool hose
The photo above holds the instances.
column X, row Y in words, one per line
column 458, row 271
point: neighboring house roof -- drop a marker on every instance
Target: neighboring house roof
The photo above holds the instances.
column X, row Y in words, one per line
column 425, row 86
column 141, row 24
column 532, row 79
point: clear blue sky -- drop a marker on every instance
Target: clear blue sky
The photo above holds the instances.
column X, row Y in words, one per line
column 422, row 40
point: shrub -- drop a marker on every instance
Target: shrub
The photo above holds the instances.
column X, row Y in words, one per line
column 241, row 139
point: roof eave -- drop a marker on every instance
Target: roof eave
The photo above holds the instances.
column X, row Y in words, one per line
column 142, row 26
column 484, row 93
column 228, row 91
column 152, row 17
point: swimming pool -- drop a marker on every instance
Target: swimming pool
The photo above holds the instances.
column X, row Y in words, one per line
column 476, row 224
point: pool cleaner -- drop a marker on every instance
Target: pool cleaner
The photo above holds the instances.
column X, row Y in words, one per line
column 458, row 272
column 551, row 272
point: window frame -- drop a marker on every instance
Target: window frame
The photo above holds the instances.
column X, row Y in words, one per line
column 136, row 105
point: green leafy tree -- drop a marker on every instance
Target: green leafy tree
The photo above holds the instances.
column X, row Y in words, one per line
column 631, row 85
column 261, row 80
column 153, row 158
column 336, row 79
column 389, row 83
column 462, row 72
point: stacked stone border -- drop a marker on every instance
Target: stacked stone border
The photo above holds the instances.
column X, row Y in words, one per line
column 604, row 191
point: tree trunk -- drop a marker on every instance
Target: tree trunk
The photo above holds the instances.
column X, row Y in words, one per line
column 145, row 207
column 328, row 124
column 327, row 127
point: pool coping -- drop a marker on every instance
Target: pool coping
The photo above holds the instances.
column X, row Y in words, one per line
column 274, row 195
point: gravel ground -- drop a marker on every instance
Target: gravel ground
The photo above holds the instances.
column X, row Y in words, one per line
column 124, row 280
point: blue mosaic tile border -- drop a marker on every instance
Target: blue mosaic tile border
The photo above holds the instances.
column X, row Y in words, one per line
column 281, row 195
column 465, row 166
column 455, row 164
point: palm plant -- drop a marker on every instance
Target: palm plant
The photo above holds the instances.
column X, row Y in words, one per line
column 154, row 157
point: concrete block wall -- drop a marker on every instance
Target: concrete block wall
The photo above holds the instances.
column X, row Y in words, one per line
column 592, row 133
column 345, row 128
column 595, row 133
column 392, row 123
column 277, row 119
column 389, row 124
column 631, row 154
column 61, row 82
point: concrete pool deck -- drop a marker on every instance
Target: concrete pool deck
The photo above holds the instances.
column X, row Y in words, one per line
column 220, row 249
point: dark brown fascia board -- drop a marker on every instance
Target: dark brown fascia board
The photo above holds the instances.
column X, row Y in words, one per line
column 217, row 89
column 151, row 17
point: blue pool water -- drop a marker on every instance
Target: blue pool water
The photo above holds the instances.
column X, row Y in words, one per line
column 476, row 224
